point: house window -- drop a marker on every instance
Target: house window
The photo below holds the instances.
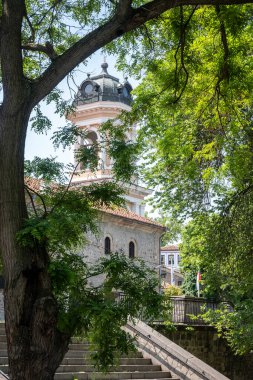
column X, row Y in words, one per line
column 131, row 250
column 179, row 283
column 171, row 260
column 162, row 259
column 107, row 245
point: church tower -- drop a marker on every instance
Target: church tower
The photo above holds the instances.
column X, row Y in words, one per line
column 100, row 98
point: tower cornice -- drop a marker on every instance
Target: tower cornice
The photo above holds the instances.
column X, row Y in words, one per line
column 100, row 109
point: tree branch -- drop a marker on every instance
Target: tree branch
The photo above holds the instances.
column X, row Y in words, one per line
column 31, row 199
column 225, row 69
column 114, row 28
column 41, row 198
column 47, row 49
column 65, row 191
column 124, row 8
column 32, row 38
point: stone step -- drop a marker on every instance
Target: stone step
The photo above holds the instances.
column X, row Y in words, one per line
column 4, row 368
column 121, row 368
column 76, row 374
column 79, row 346
column 77, row 364
column 87, row 354
column 79, row 340
column 87, row 361
column 113, row 376
column 3, row 360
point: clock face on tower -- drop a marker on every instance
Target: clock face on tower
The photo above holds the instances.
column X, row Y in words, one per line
column 87, row 89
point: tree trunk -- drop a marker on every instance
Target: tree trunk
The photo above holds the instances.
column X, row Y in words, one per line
column 35, row 346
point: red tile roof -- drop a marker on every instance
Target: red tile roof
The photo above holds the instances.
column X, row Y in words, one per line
column 33, row 183
column 124, row 213
column 36, row 184
column 170, row 248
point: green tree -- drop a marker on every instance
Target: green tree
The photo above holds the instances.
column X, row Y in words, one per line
column 196, row 105
column 41, row 43
column 221, row 246
column 173, row 229
column 198, row 100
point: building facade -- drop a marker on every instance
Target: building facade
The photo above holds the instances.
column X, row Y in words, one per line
column 101, row 98
column 170, row 269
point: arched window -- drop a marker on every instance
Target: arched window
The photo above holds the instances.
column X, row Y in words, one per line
column 107, row 245
column 131, row 250
column 90, row 141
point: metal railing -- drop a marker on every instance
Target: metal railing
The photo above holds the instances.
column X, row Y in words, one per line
column 186, row 310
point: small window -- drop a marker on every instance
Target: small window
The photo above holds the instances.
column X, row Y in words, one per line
column 131, row 250
column 162, row 259
column 107, row 245
column 179, row 283
column 171, row 260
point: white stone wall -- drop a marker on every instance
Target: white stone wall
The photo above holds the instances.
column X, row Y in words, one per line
column 121, row 231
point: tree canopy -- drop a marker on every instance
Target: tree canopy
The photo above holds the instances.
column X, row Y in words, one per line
column 195, row 104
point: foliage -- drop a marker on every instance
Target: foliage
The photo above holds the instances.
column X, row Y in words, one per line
column 61, row 214
column 173, row 229
column 172, row 290
column 196, row 132
column 59, row 217
column 88, row 305
column 221, row 246
column 47, row 169
column 189, row 283
column 121, row 146
column 236, row 326
column 197, row 100
column 67, row 135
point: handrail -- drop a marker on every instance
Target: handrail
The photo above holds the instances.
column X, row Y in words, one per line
column 169, row 355
column 3, row 376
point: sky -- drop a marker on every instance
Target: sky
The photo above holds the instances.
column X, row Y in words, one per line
column 40, row 145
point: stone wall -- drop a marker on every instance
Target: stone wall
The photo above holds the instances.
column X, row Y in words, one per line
column 122, row 231
column 204, row 343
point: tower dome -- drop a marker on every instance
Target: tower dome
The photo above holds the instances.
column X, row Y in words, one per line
column 103, row 87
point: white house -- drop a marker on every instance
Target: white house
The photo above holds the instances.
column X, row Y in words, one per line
column 169, row 261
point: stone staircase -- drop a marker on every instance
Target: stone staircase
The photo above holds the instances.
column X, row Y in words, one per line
column 77, row 365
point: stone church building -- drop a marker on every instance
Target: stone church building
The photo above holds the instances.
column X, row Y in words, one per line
column 100, row 98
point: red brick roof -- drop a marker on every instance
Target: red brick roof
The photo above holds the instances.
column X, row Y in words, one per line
column 170, row 248
column 124, row 213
